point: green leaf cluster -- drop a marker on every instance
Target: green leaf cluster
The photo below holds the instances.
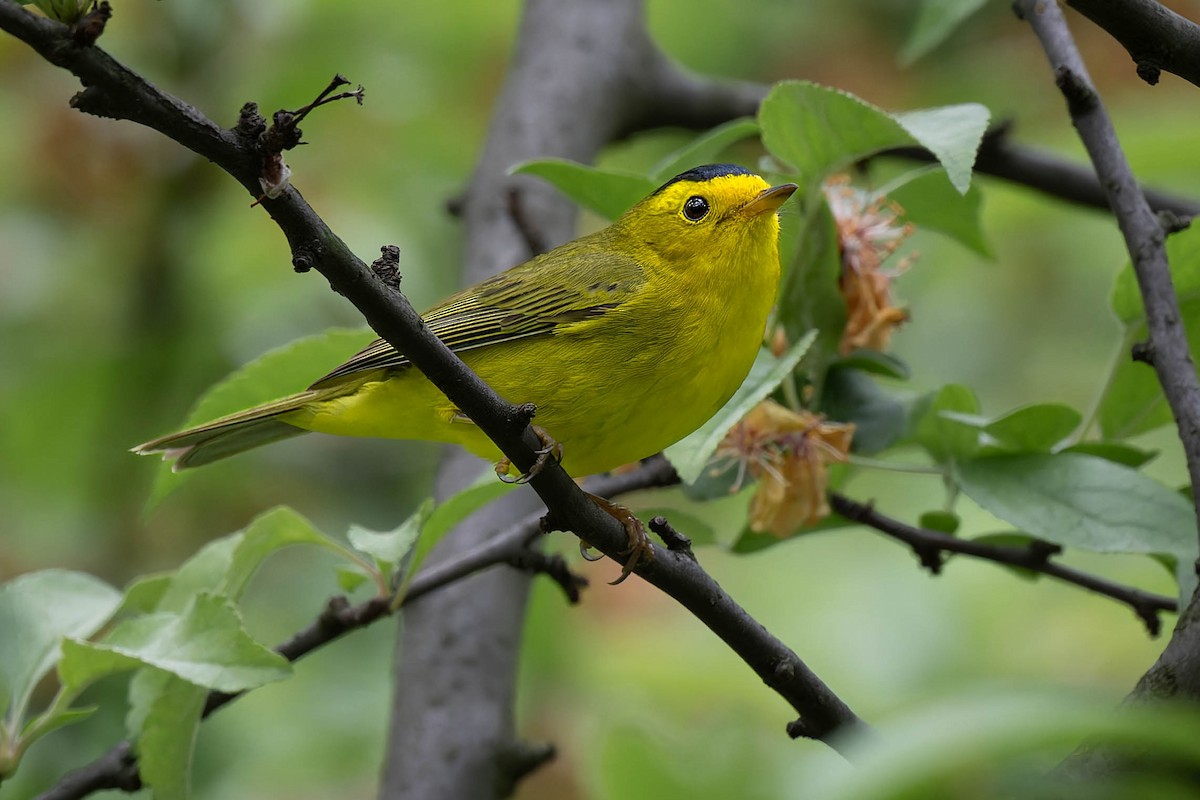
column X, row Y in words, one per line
column 181, row 633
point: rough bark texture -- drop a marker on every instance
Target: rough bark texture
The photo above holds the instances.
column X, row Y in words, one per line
column 1156, row 37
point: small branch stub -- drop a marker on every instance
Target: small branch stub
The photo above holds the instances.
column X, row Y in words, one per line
column 387, row 266
column 675, row 541
column 553, row 566
column 285, row 134
column 1143, row 351
column 1149, row 72
column 91, row 25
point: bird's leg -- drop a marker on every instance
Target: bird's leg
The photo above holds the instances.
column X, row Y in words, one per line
column 640, row 549
column 550, row 449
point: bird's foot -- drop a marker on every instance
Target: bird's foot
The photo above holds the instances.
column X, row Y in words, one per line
column 550, row 449
column 639, row 550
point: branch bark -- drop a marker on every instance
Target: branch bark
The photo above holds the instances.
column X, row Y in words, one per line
column 1176, row 673
column 1156, row 37
column 930, row 545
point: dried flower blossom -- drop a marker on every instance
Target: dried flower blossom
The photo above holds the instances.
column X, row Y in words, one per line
column 789, row 453
column 868, row 234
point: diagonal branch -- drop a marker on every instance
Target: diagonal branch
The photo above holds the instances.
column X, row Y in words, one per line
column 1156, row 37
column 119, row 92
column 929, row 546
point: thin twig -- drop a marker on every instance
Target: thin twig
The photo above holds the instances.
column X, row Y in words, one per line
column 1035, row 557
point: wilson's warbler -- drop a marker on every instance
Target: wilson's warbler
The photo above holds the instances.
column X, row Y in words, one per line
column 625, row 340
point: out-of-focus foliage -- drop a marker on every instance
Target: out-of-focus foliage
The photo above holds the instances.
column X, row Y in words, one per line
column 133, row 276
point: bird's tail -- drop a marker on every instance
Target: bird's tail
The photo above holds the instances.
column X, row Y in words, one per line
column 230, row 435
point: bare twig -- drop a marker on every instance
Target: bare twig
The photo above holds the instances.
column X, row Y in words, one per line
column 1035, row 557
column 1156, row 37
column 554, row 567
column 673, row 539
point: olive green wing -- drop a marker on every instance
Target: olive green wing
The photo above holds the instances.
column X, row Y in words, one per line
column 572, row 283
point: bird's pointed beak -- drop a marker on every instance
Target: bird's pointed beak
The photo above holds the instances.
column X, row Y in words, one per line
column 769, row 199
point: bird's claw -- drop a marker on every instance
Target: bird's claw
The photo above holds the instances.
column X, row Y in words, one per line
column 550, row 449
column 639, row 548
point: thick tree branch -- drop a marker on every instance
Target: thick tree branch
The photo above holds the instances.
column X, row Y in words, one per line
column 1036, row 557
column 1156, row 37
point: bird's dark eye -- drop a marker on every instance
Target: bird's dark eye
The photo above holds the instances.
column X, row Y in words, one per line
column 696, row 208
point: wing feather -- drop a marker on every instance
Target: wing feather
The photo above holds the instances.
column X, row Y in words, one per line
column 577, row 282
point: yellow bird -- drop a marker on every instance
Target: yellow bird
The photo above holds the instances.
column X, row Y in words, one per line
column 626, row 340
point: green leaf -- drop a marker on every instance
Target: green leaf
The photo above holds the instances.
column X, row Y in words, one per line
column 65, row 11
column 876, row 363
column 952, row 134
column 850, row 395
column 273, row 375
column 224, row 566
column 486, row 488
column 931, row 204
column 607, row 192
column 350, row 577
column 1086, row 502
column 36, row 611
column 390, row 547
column 1033, row 428
column 942, row 429
column 193, row 610
column 1114, row 451
column 1133, row 401
column 935, row 21
column 145, row 593
column 819, row 130
column 205, row 645
column 940, row 521
column 167, row 725
column 704, row 149
column 51, row 720
column 690, row 455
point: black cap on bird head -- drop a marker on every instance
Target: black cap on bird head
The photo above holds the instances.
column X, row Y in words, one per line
column 705, row 173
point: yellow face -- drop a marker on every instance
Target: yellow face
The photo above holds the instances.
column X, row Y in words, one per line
column 706, row 212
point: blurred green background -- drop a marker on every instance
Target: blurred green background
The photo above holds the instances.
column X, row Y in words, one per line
column 133, row 276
